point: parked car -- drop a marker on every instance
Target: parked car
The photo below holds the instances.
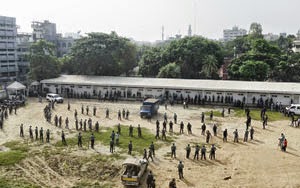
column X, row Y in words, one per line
column 54, row 97
column 133, row 171
column 293, row 109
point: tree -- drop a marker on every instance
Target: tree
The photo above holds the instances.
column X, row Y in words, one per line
column 43, row 62
column 254, row 70
column 210, row 66
column 255, row 30
column 171, row 70
column 102, row 54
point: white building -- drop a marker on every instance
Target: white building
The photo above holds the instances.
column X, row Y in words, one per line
column 296, row 46
column 138, row 88
column 231, row 34
column 8, row 55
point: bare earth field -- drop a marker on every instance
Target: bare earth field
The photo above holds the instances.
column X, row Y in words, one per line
column 257, row 163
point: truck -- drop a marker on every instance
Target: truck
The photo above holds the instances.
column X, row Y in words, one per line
column 133, row 171
column 149, row 107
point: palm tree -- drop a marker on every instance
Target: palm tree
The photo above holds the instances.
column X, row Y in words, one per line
column 209, row 66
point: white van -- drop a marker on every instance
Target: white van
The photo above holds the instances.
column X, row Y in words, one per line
column 294, row 109
column 54, row 97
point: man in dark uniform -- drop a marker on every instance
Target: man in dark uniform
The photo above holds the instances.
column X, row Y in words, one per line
column 165, row 125
column 152, row 148
column 36, row 133
column 251, row 133
column 197, row 149
column 48, row 136
column 203, row 127
column 75, row 114
column 97, row 126
column 111, row 146
column 92, row 141
column 163, row 135
column 189, row 128
column 180, row 170
column 208, row 136
column 175, row 118
column 181, row 128
column 119, row 115
column 173, row 151
column 84, row 125
column 123, row 113
column 172, row 183
column 94, row 111
column 150, row 155
column 188, row 151
column 215, row 129
column 223, row 112
column 170, row 126
column 42, row 134
column 82, row 109
column 157, row 124
column 59, row 121
column 211, row 115
column 145, row 154
column 130, row 147
column 63, row 138
column 67, row 123
column 157, row 133
column 79, row 140
column 149, row 180
column 87, row 110
column 80, row 123
column 127, row 114
column 212, row 153
column 56, row 120
column 30, row 132
column 76, row 124
column 139, row 131
column 119, row 128
column 21, row 131
column 225, row 135
column 246, row 135
column 202, row 117
column 69, row 106
column 107, row 113
column 203, row 153
column 130, row 131
column 236, row 136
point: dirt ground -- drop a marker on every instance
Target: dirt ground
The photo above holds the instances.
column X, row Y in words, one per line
column 257, row 163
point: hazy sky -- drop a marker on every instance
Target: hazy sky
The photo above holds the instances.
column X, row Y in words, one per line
column 143, row 19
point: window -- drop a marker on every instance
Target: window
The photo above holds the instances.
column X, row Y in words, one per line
column 262, row 95
column 187, row 92
column 141, row 89
column 208, row 92
column 274, row 95
column 229, row 93
column 149, row 89
column 219, row 93
column 286, row 96
column 241, row 94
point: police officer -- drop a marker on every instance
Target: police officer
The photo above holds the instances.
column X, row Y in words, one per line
column 203, row 152
column 236, row 136
column 225, row 135
column 67, row 123
column 181, row 128
column 180, row 169
column 197, row 149
column 59, row 121
column 163, row 135
column 171, row 126
column 111, row 146
column 30, row 132
column 157, row 133
column 119, row 115
column 127, row 114
column 172, row 183
column 123, row 113
column 48, row 136
column 94, row 110
column 76, row 124
column 117, row 138
column 139, row 131
column 208, row 136
column 203, row 128
column 119, row 128
column 188, row 151
column 63, row 138
column 97, row 126
column 87, row 110
column 41, row 134
column 246, row 135
column 152, row 148
column 79, row 140
column 92, row 140
column 82, row 109
column 21, row 131
column 130, row 131
column 149, row 180
column 251, row 133
column 56, row 120
column 36, row 133
column 189, row 128
column 130, row 147
column 69, row 106
column 107, row 113
column 84, row 125
column 212, row 154
column 211, row 115
column 175, row 118
column 173, row 151
column 215, row 129
column 165, row 125
column 145, row 154
column 75, row 114
column 202, row 117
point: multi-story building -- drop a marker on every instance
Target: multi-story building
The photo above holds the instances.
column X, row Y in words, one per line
column 44, row 30
column 296, row 46
column 8, row 46
column 231, row 34
column 64, row 45
column 24, row 41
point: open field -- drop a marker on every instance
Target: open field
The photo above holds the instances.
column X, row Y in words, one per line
column 257, row 163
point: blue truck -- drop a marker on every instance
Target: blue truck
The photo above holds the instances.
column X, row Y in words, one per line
column 149, row 108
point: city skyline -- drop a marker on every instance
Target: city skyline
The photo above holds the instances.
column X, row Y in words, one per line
column 142, row 20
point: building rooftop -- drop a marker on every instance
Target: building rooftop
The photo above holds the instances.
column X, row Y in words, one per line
column 188, row 84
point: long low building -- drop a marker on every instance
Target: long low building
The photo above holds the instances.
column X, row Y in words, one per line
column 137, row 87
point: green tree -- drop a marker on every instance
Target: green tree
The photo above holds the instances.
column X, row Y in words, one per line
column 254, row 70
column 256, row 30
column 210, row 66
column 102, row 54
column 171, row 70
column 43, row 62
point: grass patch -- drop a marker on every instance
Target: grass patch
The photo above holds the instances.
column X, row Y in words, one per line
column 17, row 152
column 104, row 137
column 216, row 113
column 255, row 114
column 5, row 183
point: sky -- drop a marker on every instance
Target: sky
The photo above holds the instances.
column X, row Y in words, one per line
column 142, row 20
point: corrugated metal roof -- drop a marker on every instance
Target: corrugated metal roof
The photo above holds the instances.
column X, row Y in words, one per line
column 188, row 84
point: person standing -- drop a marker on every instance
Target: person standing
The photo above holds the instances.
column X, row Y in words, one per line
column 48, row 136
column 171, row 127
column 215, row 129
column 21, row 130
column 212, row 153
column 36, row 133
column 107, row 113
column 111, row 144
column 180, row 170
column 79, row 140
column 188, row 151
column 236, row 136
column 131, row 131
column 197, row 149
column 211, row 115
column 203, row 152
column 189, row 128
column 175, row 118
column 117, row 138
column 63, row 138
column 149, row 179
column 181, row 128
column 92, row 140
column 130, row 147
column 251, row 133
column 139, row 131
column 152, row 148
column 41, row 135
column 202, row 117
column 246, row 135
column 203, row 127
column 94, row 111
column 30, row 132
column 225, row 135
column 208, row 136
column 67, row 123
column 173, row 151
